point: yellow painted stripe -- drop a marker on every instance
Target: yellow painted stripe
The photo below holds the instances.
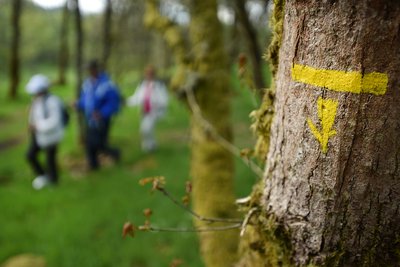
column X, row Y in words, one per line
column 342, row 81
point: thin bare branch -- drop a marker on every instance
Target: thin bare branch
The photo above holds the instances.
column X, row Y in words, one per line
column 191, row 230
column 194, row 214
column 222, row 141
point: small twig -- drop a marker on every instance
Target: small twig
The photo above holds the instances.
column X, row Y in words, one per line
column 222, row 141
column 197, row 216
column 246, row 220
column 191, row 230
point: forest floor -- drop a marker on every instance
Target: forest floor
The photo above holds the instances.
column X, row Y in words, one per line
column 79, row 222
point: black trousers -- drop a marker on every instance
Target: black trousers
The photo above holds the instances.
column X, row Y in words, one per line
column 32, row 156
column 96, row 141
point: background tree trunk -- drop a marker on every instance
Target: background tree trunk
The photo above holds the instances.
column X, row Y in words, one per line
column 78, row 62
column 14, row 48
column 212, row 165
column 332, row 189
column 79, row 45
column 107, row 39
column 64, row 47
column 254, row 49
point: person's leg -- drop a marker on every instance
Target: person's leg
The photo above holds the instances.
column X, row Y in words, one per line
column 105, row 147
column 51, row 154
column 147, row 131
column 32, row 157
column 91, row 146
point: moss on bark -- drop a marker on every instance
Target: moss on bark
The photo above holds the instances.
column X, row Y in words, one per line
column 212, row 166
column 263, row 116
column 206, row 73
column 264, row 243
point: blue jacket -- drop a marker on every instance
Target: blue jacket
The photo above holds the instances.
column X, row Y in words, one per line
column 99, row 95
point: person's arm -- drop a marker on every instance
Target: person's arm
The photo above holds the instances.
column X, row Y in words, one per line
column 31, row 126
column 162, row 95
column 135, row 99
column 110, row 104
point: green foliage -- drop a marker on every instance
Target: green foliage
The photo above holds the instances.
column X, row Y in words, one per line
column 39, row 36
column 79, row 223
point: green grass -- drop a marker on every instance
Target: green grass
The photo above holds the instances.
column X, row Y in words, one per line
column 79, row 223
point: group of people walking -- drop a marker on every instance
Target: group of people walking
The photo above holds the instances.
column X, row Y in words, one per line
column 99, row 101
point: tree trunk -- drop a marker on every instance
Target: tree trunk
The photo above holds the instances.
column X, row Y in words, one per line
column 14, row 49
column 204, row 69
column 79, row 45
column 107, row 40
column 332, row 182
column 64, row 51
column 78, row 67
column 252, row 44
column 212, row 165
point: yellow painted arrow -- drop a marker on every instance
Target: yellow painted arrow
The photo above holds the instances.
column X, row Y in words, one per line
column 342, row 81
column 327, row 109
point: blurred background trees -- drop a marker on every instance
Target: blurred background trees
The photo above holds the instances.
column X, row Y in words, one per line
column 65, row 37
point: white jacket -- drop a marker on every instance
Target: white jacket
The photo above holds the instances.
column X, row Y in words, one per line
column 158, row 98
column 46, row 117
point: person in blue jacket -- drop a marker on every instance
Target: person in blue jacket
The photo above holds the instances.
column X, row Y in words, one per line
column 99, row 101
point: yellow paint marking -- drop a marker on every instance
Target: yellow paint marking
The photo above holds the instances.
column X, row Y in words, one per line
column 342, row 81
column 327, row 109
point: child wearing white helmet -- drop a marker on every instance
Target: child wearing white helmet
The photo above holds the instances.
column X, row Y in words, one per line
column 46, row 128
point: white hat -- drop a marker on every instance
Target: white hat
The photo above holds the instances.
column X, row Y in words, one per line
column 37, row 84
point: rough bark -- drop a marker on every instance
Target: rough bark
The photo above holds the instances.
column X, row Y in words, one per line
column 337, row 201
column 63, row 54
column 14, row 49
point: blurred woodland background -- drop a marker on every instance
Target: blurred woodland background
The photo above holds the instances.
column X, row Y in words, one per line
column 79, row 223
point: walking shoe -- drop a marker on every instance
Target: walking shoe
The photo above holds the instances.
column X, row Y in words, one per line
column 40, row 182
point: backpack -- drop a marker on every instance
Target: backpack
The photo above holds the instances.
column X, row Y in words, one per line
column 65, row 117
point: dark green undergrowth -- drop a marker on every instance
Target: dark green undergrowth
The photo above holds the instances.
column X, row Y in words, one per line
column 79, row 222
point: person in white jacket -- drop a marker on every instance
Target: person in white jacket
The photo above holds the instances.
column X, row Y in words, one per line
column 46, row 128
column 151, row 95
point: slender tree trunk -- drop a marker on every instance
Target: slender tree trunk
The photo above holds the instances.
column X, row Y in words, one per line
column 64, row 48
column 211, row 165
column 204, row 69
column 252, row 44
column 14, row 48
column 107, row 39
column 332, row 183
column 79, row 45
column 79, row 61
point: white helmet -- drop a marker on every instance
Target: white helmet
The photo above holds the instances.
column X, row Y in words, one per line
column 37, row 84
